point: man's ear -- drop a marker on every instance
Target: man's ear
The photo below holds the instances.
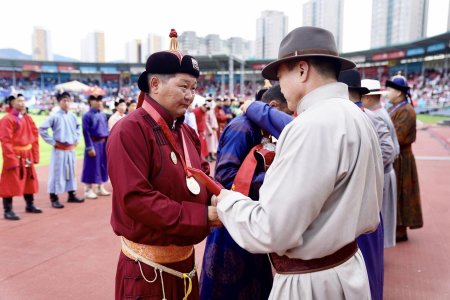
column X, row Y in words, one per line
column 274, row 103
column 155, row 84
column 304, row 69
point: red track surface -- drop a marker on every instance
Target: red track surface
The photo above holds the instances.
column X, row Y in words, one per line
column 72, row 253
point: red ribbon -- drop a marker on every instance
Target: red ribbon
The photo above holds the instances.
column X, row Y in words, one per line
column 199, row 175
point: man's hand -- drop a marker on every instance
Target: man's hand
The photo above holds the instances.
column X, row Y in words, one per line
column 213, row 217
column 216, row 199
column 92, row 153
column 246, row 104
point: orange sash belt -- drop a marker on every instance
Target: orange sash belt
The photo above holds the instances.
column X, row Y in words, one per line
column 158, row 254
column 23, row 148
column 64, row 147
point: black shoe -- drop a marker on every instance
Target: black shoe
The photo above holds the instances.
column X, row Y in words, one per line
column 75, row 199
column 30, row 208
column 56, row 204
column 10, row 215
column 400, row 239
column 33, row 209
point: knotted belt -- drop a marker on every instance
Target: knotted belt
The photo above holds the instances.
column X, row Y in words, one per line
column 23, row 148
column 181, row 254
column 24, row 162
column 286, row 265
column 98, row 139
column 64, row 147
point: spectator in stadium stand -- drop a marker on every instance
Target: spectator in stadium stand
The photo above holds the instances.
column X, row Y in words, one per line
column 8, row 101
column 66, row 135
column 220, row 116
column 227, row 108
column 120, row 107
column 20, row 148
column 200, row 117
column 190, row 119
column 131, row 106
column 211, row 131
column 409, row 210
column 95, row 132
column 372, row 101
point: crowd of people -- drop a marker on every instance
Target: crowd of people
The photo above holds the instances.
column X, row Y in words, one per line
column 315, row 172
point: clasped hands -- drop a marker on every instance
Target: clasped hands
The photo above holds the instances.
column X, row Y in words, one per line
column 213, row 217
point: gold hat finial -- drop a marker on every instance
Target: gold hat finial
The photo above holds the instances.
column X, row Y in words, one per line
column 173, row 40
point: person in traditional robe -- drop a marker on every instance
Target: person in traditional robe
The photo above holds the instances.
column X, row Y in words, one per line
column 409, row 209
column 228, row 271
column 190, row 119
column 227, row 109
column 312, row 204
column 372, row 102
column 131, row 106
column 121, row 107
column 220, row 116
column 66, row 135
column 158, row 212
column 372, row 244
column 200, row 117
column 211, row 131
column 95, row 132
column 20, row 149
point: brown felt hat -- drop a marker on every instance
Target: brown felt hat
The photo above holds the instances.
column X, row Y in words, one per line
column 304, row 42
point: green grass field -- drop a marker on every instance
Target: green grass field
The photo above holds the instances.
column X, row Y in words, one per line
column 45, row 148
column 427, row 119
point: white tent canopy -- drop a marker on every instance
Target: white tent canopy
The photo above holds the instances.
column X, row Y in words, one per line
column 72, row 86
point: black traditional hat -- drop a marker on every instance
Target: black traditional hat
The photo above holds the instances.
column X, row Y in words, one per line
column 352, row 78
column 168, row 62
column 399, row 83
column 118, row 101
column 62, row 95
column 260, row 93
column 95, row 97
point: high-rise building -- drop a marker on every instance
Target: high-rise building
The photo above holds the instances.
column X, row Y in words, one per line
column 271, row 27
column 153, row 43
column 214, row 45
column 93, row 47
column 326, row 14
column 448, row 18
column 133, row 51
column 398, row 21
column 41, row 41
column 189, row 43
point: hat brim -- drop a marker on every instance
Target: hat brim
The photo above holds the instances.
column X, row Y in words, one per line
column 396, row 86
column 271, row 70
column 382, row 93
column 360, row 90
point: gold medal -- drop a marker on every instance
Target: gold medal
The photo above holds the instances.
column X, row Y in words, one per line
column 173, row 157
column 193, row 185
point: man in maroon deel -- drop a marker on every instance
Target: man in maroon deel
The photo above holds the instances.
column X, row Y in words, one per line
column 159, row 210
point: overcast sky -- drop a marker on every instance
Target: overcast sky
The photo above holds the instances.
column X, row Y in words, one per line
column 123, row 21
